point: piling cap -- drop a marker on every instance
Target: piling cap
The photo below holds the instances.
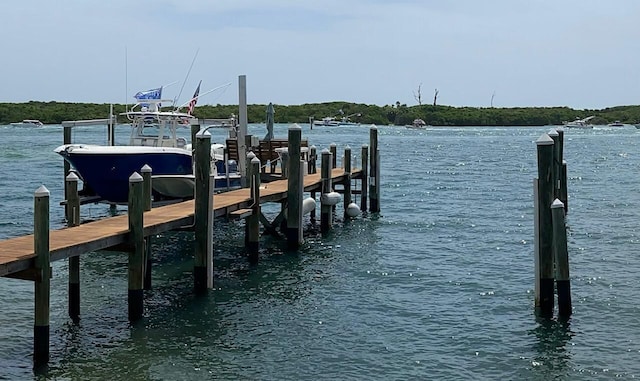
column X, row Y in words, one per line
column 326, row 151
column 145, row 169
column 203, row 134
column 42, row 191
column 251, row 155
column 544, row 140
column 255, row 160
column 560, row 129
column 72, row 177
column 135, row 178
column 374, row 127
column 552, row 132
column 332, row 145
column 347, row 147
column 295, row 126
column 557, row 204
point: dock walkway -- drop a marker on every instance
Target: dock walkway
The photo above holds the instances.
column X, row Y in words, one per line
column 17, row 254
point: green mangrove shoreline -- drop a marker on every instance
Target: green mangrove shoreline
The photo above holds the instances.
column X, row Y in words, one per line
column 398, row 114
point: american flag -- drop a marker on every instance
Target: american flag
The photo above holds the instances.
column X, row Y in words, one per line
column 194, row 100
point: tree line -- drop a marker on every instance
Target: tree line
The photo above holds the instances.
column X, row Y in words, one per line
column 396, row 114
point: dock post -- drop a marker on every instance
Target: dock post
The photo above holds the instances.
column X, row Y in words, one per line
column 564, row 193
column 136, row 239
column 66, row 139
column 73, row 219
column 195, row 128
column 555, row 165
column 374, row 173
column 147, row 196
column 326, row 215
column 313, row 157
column 365, row 177
column 253, row 221
column 43, row 278
column 250, row 157
column 295, row 189
column 242, row 128
column 347, row 179
column 334, row 155
column 544, row 299
column 203, row 258
column 563, row 284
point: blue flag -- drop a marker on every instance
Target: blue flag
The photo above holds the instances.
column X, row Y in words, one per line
column 149, row 94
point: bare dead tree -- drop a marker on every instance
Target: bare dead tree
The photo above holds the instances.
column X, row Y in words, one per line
column 418, row 95
column 492, row 96
column 435, row 97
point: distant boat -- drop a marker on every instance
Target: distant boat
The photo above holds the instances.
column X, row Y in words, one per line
column 617, row 123
column 28, row 123
column 331, row 121
column 579, row 123
column 327, row 121
column 417, row 123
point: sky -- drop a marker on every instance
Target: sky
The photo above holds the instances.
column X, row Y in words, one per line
column 583, row 54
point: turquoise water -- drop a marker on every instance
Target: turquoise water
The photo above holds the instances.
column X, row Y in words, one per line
column 439, row 285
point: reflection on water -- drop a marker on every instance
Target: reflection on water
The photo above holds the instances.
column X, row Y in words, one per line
column 553, row 358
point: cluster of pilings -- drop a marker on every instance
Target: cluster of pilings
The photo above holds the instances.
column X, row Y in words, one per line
column 550, row 209
column 138, row 244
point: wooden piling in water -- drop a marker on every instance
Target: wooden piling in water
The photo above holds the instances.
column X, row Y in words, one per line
column 146, row 172
column 73, row 219
column 334, row 155
column 347, row 180
column 136, row 240
column 563, row 284
column 203, row 257
column 544, row 300
column 365, row 177
column 555, row 167
column 374, row 174
column 312, row 163
column 564, row 192
column 295, row 189
column 43, row 276
column 253, row 221
column 326, row 215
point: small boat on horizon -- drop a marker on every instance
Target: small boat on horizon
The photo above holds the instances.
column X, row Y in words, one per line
column 28, row 123
column 417, row 123
column 617, row 123
column 579, row 123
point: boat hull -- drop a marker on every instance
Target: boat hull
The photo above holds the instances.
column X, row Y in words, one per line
column 106, row 170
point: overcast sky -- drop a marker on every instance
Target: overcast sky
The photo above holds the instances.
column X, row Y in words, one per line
column 576, row 53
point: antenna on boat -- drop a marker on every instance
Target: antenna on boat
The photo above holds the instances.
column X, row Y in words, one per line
column 126, row 80
column 187, row 76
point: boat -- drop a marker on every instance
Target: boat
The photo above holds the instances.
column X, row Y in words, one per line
column 617, row 123
column 28, row 123
column 328, row 121
column 417, row 123
column 579, row 123
column 154, row 141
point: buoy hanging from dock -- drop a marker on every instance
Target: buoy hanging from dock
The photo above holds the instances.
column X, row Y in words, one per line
column 331, row 198
column 353, row 210
column 308, row 204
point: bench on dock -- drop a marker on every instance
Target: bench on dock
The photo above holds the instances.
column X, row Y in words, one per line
column 265, row 151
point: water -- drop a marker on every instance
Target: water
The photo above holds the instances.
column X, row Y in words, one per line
column 439, row 285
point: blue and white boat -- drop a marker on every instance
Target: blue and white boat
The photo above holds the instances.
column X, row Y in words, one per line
column 154, row 142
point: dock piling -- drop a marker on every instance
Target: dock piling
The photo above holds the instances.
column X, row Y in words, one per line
column 326, row 215
column 73, row 219
column 544, row 299
column 563, row 284
column 136, row 239
column 347, row 180
column 334, row 155
column 43, row 278
column 253, row 221
column 374, row 173
column 203, row 258
column 147, row 196
column 295, row 189
column 365, row 177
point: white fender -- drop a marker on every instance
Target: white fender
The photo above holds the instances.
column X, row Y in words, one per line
column 353, row 210
column 308, row 204
column 331, row 198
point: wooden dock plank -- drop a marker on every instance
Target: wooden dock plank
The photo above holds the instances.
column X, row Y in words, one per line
column 16, row 254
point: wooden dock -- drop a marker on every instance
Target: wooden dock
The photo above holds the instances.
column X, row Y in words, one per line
column 17, row 254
